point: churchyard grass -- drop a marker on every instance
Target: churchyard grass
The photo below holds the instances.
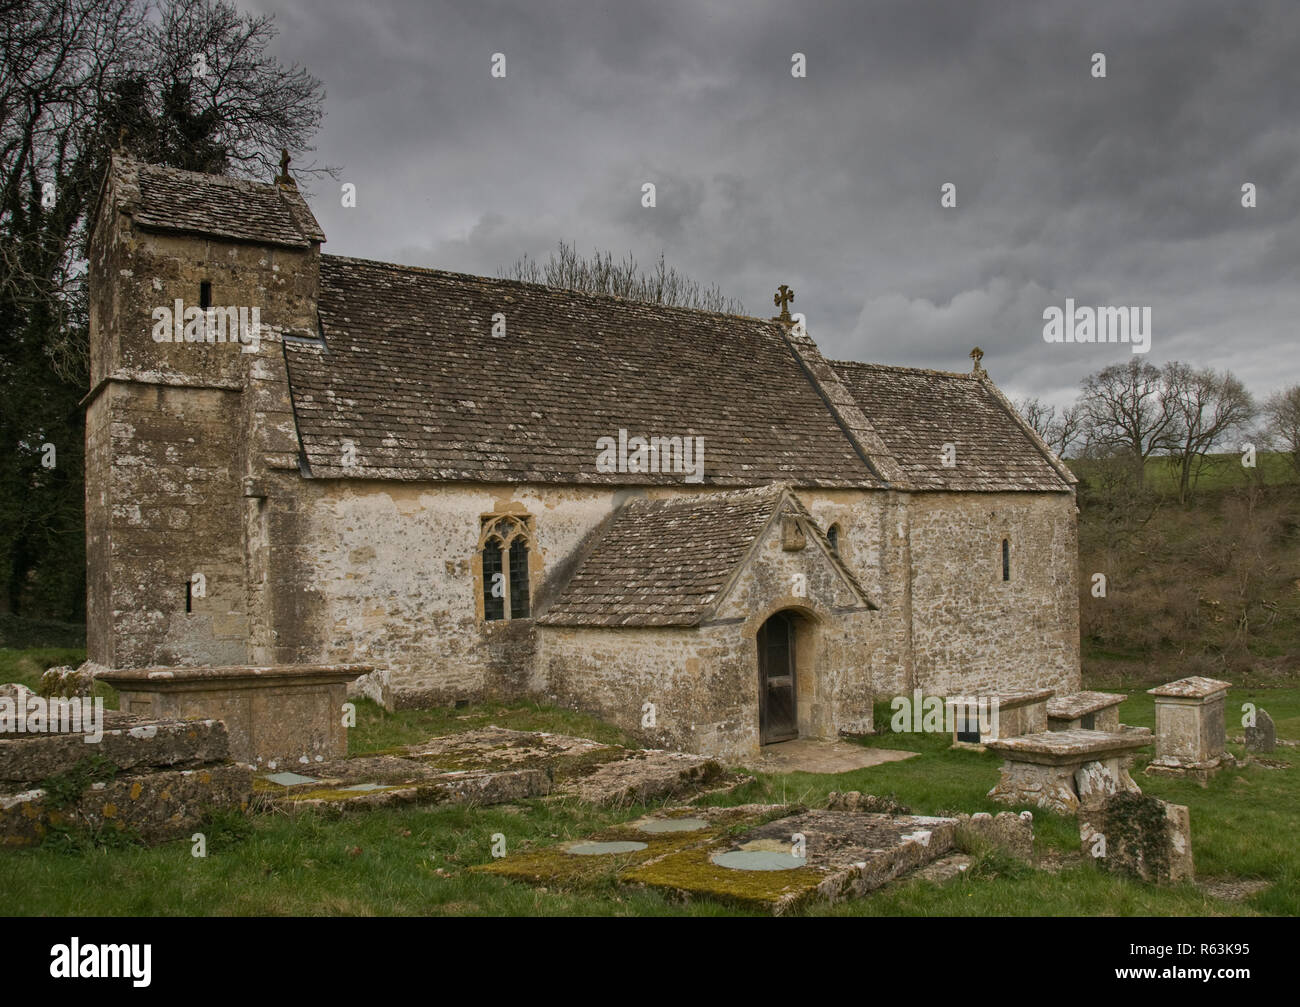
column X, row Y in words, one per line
column 413, row 861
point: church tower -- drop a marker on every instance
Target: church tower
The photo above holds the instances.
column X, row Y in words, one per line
column 195, row 281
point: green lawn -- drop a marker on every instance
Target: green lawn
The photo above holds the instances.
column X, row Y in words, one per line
column 413, row 861
column 1218, row 472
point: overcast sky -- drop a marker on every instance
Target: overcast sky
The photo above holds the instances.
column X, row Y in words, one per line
column 1119, row 191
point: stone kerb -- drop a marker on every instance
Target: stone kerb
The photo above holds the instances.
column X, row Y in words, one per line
column 278, row 715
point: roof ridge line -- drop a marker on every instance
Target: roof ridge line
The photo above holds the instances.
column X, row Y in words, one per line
column 594, row 295
column 844, row 409
column 901, row 367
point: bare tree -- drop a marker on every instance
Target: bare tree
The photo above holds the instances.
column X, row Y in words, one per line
column 190, row 83
column 567, row 270
column 1060, row 432
column 1125, row 410
column 1281, row 414
column 1205, row 407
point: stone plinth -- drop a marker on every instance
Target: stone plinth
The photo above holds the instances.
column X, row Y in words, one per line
column 1059, row 770
column 282, row 715
column 1190, row 730
column 1084, row 711
column 1017, row 713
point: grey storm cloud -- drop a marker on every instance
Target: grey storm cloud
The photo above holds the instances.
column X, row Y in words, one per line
column 1117, row 191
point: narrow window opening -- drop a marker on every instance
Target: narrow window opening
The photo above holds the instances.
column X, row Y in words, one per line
column 189, row 597
column 519, row 578
column 494, row 582
column 833, row 537
column 205, row 294
column 1006, row 559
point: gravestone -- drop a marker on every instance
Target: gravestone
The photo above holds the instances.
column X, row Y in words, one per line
column 1140, row 836
column 1262, row 735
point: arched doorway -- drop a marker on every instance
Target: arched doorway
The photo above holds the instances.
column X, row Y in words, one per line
column 778, row 714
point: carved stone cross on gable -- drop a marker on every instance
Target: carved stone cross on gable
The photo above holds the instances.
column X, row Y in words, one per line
column 781, row 299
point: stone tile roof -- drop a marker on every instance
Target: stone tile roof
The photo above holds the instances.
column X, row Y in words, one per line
column 412, row 375
column 915, row 412
column 170, row 199
column 667, row 562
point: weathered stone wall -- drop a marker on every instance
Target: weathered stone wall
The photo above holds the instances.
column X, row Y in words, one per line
column 391, row 572
column 974, row 633
column 173, row 439
column 703, row 681
column 166, row 508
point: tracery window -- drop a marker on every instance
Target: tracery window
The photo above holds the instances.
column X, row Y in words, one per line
column 504, row 547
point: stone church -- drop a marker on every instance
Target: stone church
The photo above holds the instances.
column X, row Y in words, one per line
column 488, row 488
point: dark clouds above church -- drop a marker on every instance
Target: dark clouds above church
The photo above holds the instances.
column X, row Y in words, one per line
column 1124, row 190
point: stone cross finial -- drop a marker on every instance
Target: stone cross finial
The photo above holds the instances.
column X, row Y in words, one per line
column 781, row 299
column 977, row 355
column 284, row 178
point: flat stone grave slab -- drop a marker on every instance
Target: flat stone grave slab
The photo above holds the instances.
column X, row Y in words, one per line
column 770, row 858
column 127, row 741
column 846, row 854
column 1086, row 711
column 1057, row 770
column 494, row 765
column 152, row 779
column 582, row 861
column 809, row 755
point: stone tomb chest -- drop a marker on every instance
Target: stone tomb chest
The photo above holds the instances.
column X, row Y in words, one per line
column 1190, row 728
column 1087, row 711
column 1008, row 714
column 1060, row 770
column 281, row 715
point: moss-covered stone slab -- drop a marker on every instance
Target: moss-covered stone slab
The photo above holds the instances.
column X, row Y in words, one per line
column 129, row 742
column 153, row 806
column 418, row 785
column 556, row 865
column 493, row 765
column 845, row 854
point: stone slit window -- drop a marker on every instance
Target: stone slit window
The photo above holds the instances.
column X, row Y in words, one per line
column 205, row 294
column 505, row 545
column 189, row 596
column 833, row 537
column 1006, row 559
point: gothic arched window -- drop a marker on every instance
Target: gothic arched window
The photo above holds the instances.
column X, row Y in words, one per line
column 504, row 547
